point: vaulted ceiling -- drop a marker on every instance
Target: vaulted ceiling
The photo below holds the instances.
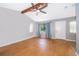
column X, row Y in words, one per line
column 54, row 10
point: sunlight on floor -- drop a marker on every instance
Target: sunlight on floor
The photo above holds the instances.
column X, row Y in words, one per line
column 42, row 43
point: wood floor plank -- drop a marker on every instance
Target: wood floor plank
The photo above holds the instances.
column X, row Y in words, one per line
column 39, row 47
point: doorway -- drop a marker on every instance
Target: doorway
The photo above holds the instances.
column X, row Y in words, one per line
column 44, row 30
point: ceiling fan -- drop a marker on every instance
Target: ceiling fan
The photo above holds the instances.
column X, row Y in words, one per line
column 38, row 7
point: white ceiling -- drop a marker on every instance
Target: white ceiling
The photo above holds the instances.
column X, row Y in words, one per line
column 54, row 10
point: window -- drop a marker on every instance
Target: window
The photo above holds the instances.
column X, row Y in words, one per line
column 43, row 27
column 31, row 27
column 72, row 26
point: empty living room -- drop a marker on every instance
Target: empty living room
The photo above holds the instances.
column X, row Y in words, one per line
column 38, row 29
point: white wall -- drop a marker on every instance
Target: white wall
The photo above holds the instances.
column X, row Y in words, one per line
column 52, row 29
column 68, row 35
column 14, row 27
column 77, row 18
column 60, row 29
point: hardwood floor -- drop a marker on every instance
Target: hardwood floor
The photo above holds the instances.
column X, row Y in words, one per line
column 39, row 47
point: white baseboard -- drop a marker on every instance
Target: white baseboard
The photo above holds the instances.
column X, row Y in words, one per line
column 70, row 40
column 17, row 41
column 65, row 39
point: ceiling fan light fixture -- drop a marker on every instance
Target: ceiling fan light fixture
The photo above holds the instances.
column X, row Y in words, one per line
column 38, row 11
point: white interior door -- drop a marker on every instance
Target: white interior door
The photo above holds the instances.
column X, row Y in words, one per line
column 60, row 29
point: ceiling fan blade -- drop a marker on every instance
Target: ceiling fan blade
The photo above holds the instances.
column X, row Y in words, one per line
column 34, row 7
column 44, row 6
column 43, row 12
column 32, row 4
